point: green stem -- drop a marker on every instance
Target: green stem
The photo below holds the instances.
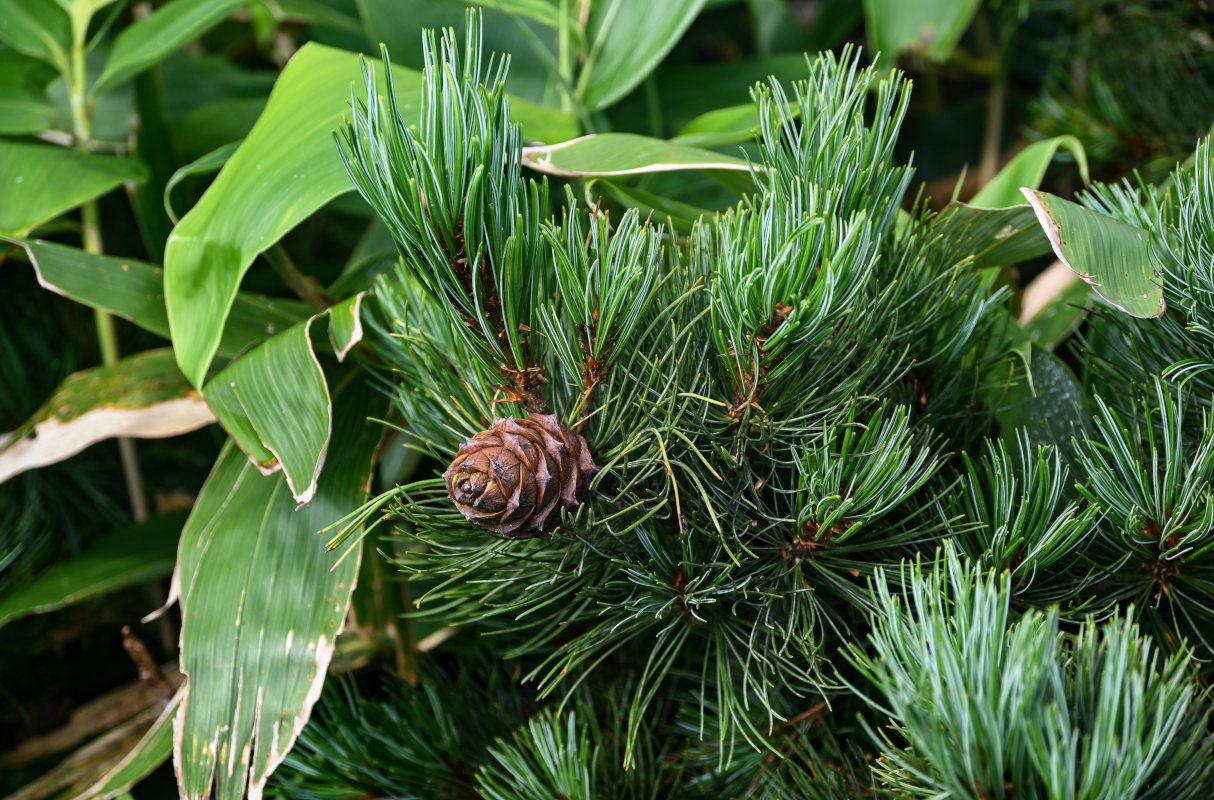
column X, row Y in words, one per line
column 90, row 234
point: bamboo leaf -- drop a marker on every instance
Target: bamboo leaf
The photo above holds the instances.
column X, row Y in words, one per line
column 544, row 12
column 993, row 236
column 1111, row 255
column 158, row 35
column 149, row 753
column 261, row 608
column 274, row 400
column 284, row 170
column 720, row 126
column 930, row 27
column 134, row 290
column 203, row 165
column 38, row 182
column 129, row 556
column 626, row 42
column 605, row 154
column 345, row 325
column 682, row 215
column 143, row 396
column 37, row 28
column 1028, row 168
column 1051, row 407
column 23, row 115
column 275, row 403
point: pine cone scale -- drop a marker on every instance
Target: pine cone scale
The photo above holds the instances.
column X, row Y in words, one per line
column 514, row 478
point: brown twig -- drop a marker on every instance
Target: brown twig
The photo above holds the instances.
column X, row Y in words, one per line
column 149, row 673
column 755, row 377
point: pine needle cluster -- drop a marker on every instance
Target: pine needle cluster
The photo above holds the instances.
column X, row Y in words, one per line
column 807, row 522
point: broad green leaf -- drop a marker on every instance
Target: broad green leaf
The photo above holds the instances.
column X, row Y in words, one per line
column 261, row 608
column 775, row 26
column 286, row 169
column 37, row 28
column 604, row 154
column 211, row 162
column 544, row 12
column 148, row 754
column 625, row 42
column 543, row 124
column 319, row 13
column 22, row 115
column 1051, row 407
column 135, row 554
column 930, row 27
column 1027, row 168
column 283, row 171
column 157, row 35
column 720, row 126
column 134, row 290
column 142, row 396
column 274, row 400
column 275, row 403
column 39, row 182
column 993, row 236
column 1113, row 256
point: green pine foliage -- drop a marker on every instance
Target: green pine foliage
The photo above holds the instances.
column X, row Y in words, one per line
column 988, row 705
column 812, row 562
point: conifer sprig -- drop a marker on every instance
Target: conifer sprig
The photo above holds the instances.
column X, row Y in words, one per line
column 765, row 419
column 1017, row 513
column 465, row 222
column 990, row 707
column 1152, row 483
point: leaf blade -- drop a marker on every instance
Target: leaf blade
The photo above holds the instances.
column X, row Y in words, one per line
column 1111, row 255
column 158, row 35
column 627, row 42
column 1028, row 168
column 614, row 154
column 134, row 290
column 274, row 401
column 255, row 650
column 137, row 553
column 284, row 170
column 39, row 182
column 932, row 27
column 142, row 396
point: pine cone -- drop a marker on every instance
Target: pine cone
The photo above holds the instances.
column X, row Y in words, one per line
column 513, row 478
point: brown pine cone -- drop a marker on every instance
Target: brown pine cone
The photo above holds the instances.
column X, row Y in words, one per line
column 514, row 477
